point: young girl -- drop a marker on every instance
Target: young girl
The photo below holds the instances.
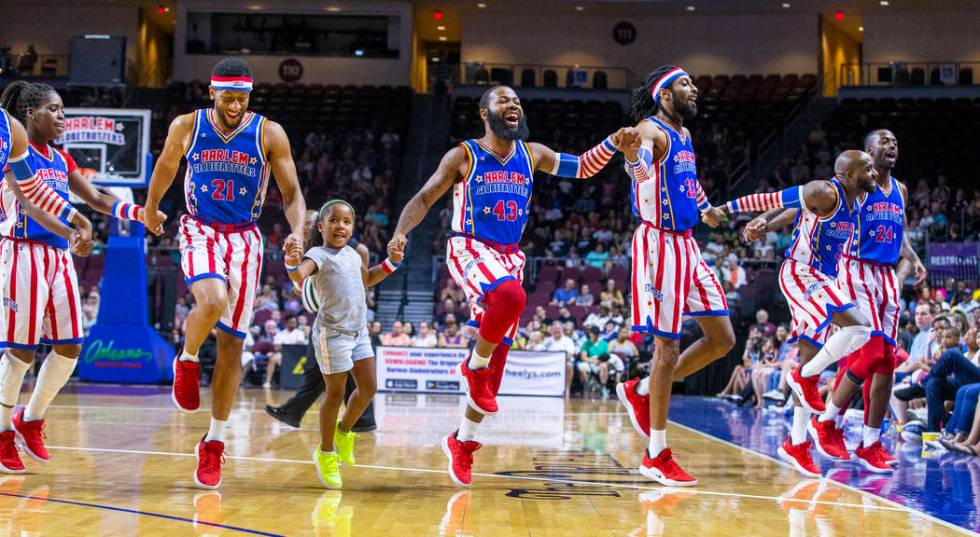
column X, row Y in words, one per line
column 340, row 334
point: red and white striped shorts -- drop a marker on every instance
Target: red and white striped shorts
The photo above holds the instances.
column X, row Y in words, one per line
column 41, row 302
column 813, row 299
column 478, row 268
column 233, row 256
column 671, row 280
column 875, row 290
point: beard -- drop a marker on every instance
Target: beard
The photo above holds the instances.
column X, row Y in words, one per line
column 500, row 127
column 686, row 109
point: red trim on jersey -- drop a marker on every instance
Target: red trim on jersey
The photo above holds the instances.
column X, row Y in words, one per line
column 240, row 305
column 33, row 305
column 12, row 317
column 71, row 302
column 659, row 279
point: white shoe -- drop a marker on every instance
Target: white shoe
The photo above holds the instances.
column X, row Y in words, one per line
column 775, row 395
column 267, row 385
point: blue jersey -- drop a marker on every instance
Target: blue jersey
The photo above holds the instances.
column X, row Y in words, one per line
column 52, row 166
column 880, row 227
column 819, row 241
column 492, row 200
column 6, row 138
column 668, row 200
column 227, row 174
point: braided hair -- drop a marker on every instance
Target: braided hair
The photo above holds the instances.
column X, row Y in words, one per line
column 642, row 105
column 19, row 96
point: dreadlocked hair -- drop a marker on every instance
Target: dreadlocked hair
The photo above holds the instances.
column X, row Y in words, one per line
column 641, row 101
column 19, row 96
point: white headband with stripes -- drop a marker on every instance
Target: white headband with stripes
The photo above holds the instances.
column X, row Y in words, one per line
column 665, row 81
column 233, row 83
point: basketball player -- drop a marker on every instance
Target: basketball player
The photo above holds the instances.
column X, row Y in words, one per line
column 492, row 179
column 828, row 216
column 866, row 272
column 230, row 152
column 670, row 279
column 38, row 272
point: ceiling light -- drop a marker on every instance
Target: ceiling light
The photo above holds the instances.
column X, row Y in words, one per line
column 690, row 8
column 786, row 5
column 481, row 5
column 333, row 9
column 883, row 2
column 442, row 38
column 860, row 28
column 441, row 28
column 579, row 8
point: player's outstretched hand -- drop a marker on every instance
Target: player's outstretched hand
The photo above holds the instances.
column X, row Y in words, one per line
column 293, row 242
column 293, row 255
column 154, row 219
column 78, row 246
column 713, row 217
column 755, row 230
column 627, row 139
column 396, row 246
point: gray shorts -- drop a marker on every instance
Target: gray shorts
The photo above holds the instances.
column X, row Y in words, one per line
column 336, row 352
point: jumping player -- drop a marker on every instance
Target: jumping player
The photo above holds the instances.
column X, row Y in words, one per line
column 230, row 152
column 492, row 179
column 38, row 271
column 866, row 273
column 828, row 217
column 670, row 279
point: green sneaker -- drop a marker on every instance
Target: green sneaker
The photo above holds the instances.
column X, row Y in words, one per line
column 344, row 443
column 328, row 468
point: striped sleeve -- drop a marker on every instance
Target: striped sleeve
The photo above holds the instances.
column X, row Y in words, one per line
column 702, row 200
column 585, row 165
column 639, row 171
column 765, row 201
column 127, row 211
column 37, row 191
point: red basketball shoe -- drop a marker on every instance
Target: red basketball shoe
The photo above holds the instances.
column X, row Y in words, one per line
column 460, row 455
column 186, row 392
column 806, row 390
column 31, row 436
column 799, row 457
column 872, row 458
column 664, row 470
column 830, row 439
column 210, row 456
column 637, row 406
column 479, row 388
column 10, row 462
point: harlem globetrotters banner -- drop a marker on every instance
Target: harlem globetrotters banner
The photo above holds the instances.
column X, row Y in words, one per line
column 413, row 369
column 110, row 146
column 958, row 260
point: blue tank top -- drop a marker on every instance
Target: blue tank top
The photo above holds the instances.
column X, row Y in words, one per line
column 669, row 199
column 492, row 201
column 880, row 227
column 227, row 174
column 6, row 138
column 819, row 241
column 53, row 169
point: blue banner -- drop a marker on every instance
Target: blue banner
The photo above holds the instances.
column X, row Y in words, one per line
column 957, row 260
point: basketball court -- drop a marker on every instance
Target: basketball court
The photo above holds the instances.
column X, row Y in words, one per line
column 122, row 464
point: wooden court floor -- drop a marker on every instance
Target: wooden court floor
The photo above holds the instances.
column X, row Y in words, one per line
column 122, row 463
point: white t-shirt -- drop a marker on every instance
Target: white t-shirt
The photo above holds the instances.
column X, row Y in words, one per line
column 564, row 343
column 290, row 337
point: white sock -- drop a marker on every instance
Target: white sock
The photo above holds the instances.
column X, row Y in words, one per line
column 188, row 357
column 217, row 430
column 12, row 371
column 797, row 435
column 477, row 361
column 831, row 413
column 658, row 442
column 55, row 372
column 643, row 387
column 844, row 342
column 870, row 435
column 467, row 430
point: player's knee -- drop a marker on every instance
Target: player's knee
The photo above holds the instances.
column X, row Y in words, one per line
column 367, row 386
column 510, row 295
column 721, row 341
column 24, row 355
column 72, row 351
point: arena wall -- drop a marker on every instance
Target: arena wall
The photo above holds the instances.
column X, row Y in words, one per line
column 709, row 44
column 922, row 36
